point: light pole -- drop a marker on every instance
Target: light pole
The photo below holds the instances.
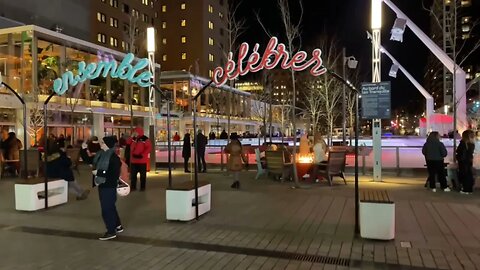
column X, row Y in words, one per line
column 376, row 77
column 151, row 95
column 352, row 64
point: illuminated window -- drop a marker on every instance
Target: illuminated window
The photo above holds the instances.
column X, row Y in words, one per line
column 145, row 18
column 113, row 22
column 220, row 14
column 210, row 57
column 183, row 23
column 164, row 41
column 164, row 25
column 210, row 73
column 114, row 3
column 211, row 41
column 184, row 56
column 466, row 3
column 101, row 17
column 466, row 19
column 164, row 57
column 156, row 14
column 184, row 39
column 113, row 42
column 210, row 25
column 145, row 2
column 210, row 9
column 101, row 38
column 125, row 46
column 135, row 13
column 465, row 28
column 164, row 8
column 183, row 6
column 466, row 36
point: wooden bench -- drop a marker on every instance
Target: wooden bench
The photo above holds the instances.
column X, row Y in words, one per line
column 30, row 193
column 377, row 215
column 180, row 200
column 335, row 166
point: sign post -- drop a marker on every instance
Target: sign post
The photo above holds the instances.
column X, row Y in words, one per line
column 376, row 100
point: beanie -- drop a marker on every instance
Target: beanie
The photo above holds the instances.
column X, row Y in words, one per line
column 110, row 141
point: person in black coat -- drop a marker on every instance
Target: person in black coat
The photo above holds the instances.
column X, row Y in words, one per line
column 107, row 172
column 434, row 151
column 465, row 161
column 200, row 150
column 186, row 151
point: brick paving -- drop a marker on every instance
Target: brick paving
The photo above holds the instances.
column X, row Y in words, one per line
column 248, row 229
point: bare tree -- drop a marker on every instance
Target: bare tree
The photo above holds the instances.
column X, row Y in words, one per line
column 313, row 104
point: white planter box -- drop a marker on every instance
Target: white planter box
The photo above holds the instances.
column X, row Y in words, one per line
column 31, row 196
column 377, row 220
column 180, row 201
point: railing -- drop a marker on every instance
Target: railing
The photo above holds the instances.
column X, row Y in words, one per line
column 393, row 157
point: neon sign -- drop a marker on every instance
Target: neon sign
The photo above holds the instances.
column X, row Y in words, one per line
column 105, row 67
column 275, row 53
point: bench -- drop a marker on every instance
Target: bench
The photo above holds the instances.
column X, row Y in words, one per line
column 30, row 193
column 377, row 215
column 180, row 200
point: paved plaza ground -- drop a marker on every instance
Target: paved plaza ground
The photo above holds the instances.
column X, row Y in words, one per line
column 265, row 225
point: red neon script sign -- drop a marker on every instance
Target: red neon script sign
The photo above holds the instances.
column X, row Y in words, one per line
column 274, row 54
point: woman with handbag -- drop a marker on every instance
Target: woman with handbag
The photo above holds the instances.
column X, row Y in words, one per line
column 108, row 165
column 236, row 159
column 465, row 161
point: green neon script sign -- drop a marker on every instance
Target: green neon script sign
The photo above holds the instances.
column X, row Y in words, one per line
column 124, row 71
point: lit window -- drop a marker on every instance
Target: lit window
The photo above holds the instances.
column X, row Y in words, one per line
column 145, row 18
column 465, row 28
column 156, row 14
column 145, row 2
column 211, row 41
column 183, row 22
column 113, row 22
column 164, row 41
column 135, row 13
column 164, row 57
column 184, row 56
column 113, row 42
column 183, row 6
column 210, row 57
column 184, row 39
column 466, row 36
column 164, row 8
column 210, row 9
column 101, row 17
column 210, row 73
column 210, row 25
column 114, row 3
column 101, row 38
column 466, row 3
column 164, row 25
column 220, row 14
column 466, row 19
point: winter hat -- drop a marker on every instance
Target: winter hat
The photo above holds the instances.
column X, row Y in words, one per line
column 110, row 141
column 94, row 139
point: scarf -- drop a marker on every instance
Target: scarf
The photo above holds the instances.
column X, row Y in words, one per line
column 101, row 161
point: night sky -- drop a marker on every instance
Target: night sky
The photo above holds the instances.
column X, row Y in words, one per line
column 348, row 21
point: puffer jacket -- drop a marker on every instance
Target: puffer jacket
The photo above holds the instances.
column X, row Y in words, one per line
column 140, row 147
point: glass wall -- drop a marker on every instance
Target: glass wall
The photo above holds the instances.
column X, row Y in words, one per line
column 16, row 60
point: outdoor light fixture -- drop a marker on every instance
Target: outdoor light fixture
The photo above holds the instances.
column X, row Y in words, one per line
column 393, row 71
column 351, row 62
column 376, row 14
column 398, row 29
column 151, row 39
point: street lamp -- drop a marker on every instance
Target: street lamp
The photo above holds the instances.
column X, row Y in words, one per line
column 151, row 95
column 352, row 63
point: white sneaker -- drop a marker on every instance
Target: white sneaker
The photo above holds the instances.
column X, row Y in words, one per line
column 465, row 193
column 447, row 189
column 434, row 190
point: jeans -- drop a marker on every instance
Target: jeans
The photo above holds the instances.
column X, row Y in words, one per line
column 185, row 163
column 202, row 165
column 108, row 198
column 74, row 187
column 134, row 170
column 465, row 174
column 436, row 168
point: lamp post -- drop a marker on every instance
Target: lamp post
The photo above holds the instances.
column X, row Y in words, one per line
column 169, row 144
column 151, row 95
column 24, row 107
column 376, row 77
column 352, row 64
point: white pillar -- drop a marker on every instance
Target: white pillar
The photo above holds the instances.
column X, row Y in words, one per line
column 98, row 125
column 376, row 123
column 19, row 127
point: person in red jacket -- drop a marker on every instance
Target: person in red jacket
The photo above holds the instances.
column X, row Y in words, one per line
column 140, row 148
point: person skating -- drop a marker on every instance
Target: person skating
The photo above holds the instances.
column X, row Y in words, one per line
column 108, row 165
column 140, row 148
column 186, row 151
column 434, row 151
column 465, row 161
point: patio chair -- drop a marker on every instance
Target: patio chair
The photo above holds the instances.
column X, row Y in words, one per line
column 335, row 166
column 260, row 167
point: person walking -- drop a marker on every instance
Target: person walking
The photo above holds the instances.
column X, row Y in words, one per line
column 201, row 146
column 107, row 172
column 186, row 151
column 236, row 159
column 465, row 161
column 140, row 148
column 12, row 146
column 434, row 151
